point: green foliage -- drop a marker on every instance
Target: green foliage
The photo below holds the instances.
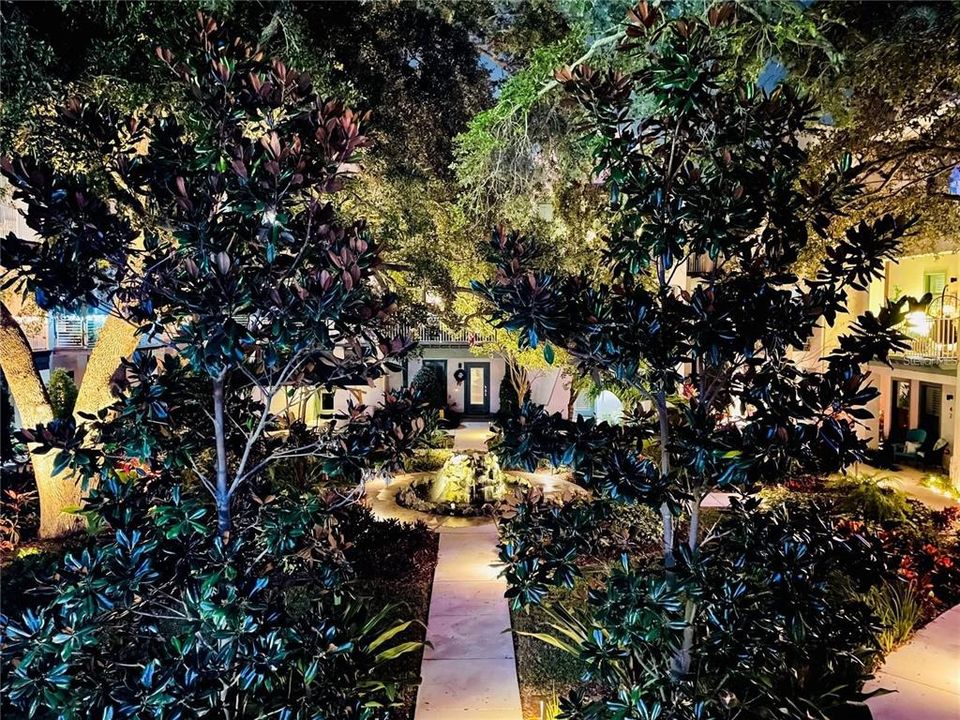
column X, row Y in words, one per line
column 131, row 612
column 543, row 667
column 509, row 402
column 541, row 539
column 942, row 484
column 394, row 58
column 63, row 393
column 898, row 611
column 427, row 460
column 775, row 635
column 871, row 497
column 698, row 160
column 863, row 102
column 431, row 383
column 433, row 436
column 206, row 223
column 236, row 261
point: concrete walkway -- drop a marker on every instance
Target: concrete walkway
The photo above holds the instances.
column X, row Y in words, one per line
column 908, row 480
column 471, row 435
column 925, row 673
column 470, row 672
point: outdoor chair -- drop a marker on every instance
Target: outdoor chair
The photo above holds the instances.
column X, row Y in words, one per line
column 909, row 449
column 931, row 454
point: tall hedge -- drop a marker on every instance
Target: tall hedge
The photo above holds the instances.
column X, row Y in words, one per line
column 431, row 381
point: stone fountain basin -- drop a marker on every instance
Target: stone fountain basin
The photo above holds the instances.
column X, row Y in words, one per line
column 381, row 496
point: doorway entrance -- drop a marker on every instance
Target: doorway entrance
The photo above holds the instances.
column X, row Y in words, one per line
column 930, row 396
column 476, row 388
column 900, row 410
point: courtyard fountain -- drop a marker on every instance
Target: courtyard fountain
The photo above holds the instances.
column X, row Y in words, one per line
column 467, row 484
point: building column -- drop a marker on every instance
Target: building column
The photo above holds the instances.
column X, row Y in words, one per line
column 955, row 441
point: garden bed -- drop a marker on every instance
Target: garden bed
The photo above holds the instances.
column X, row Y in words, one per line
column 395, row 563
column 921, row 544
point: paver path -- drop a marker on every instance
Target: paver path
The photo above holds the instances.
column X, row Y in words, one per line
column 925, row 673
column 470, row 672
column 472, row 435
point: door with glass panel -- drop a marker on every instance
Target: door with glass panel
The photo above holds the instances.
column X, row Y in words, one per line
column 476, row 389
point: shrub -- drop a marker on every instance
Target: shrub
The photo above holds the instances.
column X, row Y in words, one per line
column 870, row 497
column 24, row 577
column 19, row 517
column 941, row 484
column 63, row 393
column 806, row 483
column 898, row 610
column 639, row 526
column 774, row 631
column 437, row 440
column 509, row 400
column 543, row 666
column 427, row 460
column 927, row 561
column 431, row 382
column 128, row 630
column 540, row 540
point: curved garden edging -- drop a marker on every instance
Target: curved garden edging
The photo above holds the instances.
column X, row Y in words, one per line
column 381, row 496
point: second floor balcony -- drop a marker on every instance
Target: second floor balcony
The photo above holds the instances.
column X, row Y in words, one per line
column 932, row 341
column 62, row 331
column 442, row 336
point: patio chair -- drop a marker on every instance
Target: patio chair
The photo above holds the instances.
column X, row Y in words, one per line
column 910, row 447
column 931, row 454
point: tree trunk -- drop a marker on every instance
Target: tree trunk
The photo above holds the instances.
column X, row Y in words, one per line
column 665, row 515
column 571, row 401
column 118, row 339
column 30, row 395
column 222, row 496
column 57, row 493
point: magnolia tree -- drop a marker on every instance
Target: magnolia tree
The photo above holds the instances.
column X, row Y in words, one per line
column 700, row 162
column 211, row 586
column 207, row 227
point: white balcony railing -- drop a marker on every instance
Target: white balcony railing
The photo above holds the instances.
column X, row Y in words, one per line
column 933, row 341
column 439, row 335
column 76, row 331
column 700, row 265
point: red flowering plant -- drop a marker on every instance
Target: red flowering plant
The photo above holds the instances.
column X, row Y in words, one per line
column 921, row 551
